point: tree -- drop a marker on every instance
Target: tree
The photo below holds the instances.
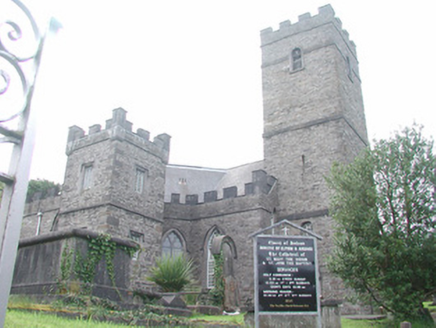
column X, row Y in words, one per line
column 43, row 186
column 384, row 208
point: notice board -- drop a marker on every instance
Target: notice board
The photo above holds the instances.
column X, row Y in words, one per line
column 286, row 274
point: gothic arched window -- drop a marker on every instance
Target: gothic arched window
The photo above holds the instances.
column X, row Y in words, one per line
column 210, row 270
column 296, row 57
column 172, row 245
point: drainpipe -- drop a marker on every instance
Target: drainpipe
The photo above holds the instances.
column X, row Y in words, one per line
column 38, row 226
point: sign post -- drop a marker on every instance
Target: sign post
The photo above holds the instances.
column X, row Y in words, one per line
column 286, row 279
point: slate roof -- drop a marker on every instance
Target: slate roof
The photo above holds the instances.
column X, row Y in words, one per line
column 194, row 180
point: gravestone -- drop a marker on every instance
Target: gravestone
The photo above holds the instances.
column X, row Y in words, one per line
column 230, row 294
column 224, row 245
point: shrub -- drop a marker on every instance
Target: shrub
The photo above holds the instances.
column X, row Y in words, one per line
column 172, row 274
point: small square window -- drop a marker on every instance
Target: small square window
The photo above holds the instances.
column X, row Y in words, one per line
column 136, row 236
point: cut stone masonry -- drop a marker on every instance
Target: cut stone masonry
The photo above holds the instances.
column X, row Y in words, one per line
column 261, row 183
column 313, row 117
column 306, row 21
column 118, row 128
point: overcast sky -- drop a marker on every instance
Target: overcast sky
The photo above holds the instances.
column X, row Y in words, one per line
column 191, row 69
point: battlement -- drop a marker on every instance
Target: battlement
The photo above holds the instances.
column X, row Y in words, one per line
column 306, row 22
column 261, row 183
column 118, row 128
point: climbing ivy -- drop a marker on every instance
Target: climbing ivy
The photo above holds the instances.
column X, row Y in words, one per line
column 84, row 267
column 131, row 251
column 65, row 268
column 217, row 292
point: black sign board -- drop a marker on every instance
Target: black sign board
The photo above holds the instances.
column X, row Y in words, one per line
column 286, row 272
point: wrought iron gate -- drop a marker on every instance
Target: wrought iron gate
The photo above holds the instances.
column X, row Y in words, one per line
column 21, row 45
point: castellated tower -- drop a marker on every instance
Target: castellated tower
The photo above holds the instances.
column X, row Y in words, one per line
column 120, row 183
column 114, row 182
column 313, row 116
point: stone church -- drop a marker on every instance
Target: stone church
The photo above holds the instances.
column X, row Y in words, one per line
column 120, row 182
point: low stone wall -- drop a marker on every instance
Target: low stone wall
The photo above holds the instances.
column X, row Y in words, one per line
column 331, row 314
column 38, row 267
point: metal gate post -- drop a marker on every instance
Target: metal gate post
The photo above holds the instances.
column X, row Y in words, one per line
column 13, row 72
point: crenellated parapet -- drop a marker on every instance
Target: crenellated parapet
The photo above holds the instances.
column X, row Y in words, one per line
column 261, row 183
column 118, row 128
column 306, row 22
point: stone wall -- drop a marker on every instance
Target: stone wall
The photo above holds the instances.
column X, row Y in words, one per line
column 236, row 218
column 313, row 117
column 301, row 159
column 116, row 155
column 126, row 195
column 325, row 48
column 128, row 158
column 49, row 207
column 100, row 156
column 38, row 264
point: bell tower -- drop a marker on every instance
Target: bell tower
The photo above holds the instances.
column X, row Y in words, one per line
column 313, row 108
column 313, row 116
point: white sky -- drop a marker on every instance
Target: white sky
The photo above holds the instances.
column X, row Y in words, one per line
column 191, row 69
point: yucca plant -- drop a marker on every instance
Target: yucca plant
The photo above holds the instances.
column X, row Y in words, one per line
column 172, row 273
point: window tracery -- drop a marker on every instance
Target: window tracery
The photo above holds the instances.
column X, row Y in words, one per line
column 172, row 245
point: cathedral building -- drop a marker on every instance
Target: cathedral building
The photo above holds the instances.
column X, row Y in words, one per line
column 120, row 182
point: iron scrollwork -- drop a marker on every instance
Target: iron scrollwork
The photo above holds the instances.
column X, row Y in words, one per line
column 20, row 48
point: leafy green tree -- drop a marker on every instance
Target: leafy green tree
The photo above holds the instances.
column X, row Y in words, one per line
column 384, row 207
column 43, row 186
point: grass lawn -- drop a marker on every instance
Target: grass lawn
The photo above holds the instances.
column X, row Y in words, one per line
column 18, row 318
column 348, row 323
column 233, row 319
column 24, row 319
